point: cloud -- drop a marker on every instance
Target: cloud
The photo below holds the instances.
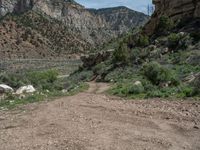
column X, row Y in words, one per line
column 138, row 5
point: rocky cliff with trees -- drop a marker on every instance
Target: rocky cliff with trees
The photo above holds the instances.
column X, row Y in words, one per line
column 160, row 60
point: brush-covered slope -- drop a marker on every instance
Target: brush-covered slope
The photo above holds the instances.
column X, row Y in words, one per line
column 161, row 60
column 118, row 18
column 55, row 28
column 32, row 35
column 176, row 10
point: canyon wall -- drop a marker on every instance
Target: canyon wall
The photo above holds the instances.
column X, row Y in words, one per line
column 62, row 26
column 175, row 9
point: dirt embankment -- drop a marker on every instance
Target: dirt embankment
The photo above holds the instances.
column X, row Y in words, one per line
column 94, row 121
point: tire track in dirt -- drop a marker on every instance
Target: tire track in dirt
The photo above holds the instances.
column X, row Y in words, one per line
column 93, row 120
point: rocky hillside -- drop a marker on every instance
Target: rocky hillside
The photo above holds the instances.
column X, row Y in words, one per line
column 56, row 28
column 176, row 10
column 162, row 60
column 118, row 18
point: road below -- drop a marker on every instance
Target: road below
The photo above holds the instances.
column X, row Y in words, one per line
column 93, row 120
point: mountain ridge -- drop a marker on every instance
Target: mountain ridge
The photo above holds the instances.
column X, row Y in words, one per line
column 90, row 30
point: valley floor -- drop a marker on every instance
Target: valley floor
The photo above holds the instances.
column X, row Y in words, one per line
column 94, row 121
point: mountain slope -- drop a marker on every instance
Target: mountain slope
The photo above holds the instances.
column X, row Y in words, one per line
column 177, row 10
column 63, row 27
column 32, row 35
column 118, row 18
column 162, row 60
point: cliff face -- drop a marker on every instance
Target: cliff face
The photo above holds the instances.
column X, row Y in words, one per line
column 175, row 9
column 97, row 26
column 10, row 6
column 119, row 18
column 87, row 27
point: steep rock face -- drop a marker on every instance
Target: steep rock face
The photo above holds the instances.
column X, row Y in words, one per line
column 75, row 17
column 10, row 6
column 118, row 18
column 97, row 26
column 175, row 9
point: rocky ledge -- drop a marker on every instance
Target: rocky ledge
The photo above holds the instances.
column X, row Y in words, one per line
column 175, row 9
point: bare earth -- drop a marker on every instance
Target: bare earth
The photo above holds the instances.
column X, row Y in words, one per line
column 94, row 121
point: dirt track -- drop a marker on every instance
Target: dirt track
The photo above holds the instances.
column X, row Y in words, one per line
column 94, row 121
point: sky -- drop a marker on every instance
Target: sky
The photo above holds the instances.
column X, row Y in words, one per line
column 138, row 5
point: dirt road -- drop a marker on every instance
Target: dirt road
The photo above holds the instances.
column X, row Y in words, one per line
column 93, row 121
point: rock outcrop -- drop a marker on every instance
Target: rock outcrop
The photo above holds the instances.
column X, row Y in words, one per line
column 5, row 89
column 175, row 9
column 25, row 89
column 90, row 27
column 17, row 6
column 91, row 60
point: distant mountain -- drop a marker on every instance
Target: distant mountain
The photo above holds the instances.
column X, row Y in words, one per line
column 57, row 28
column 120, row 19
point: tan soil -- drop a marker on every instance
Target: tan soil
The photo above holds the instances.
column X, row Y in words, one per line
column 94, row 121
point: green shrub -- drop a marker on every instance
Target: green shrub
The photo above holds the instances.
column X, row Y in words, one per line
column 100, row 68
column 173, row 40
column 127, row 88
column 195, row 36
column 121, row 73
column 163, row 92
column 176, row 41
column 158, row 74
column 43, row 80
column 130, row 40
column 80, row 76
column 186, row 69
column 184, row 42
column 13, row 80
column 196, row 86
column 139, row 55
column 165, row 24
column 121, row 54
column 148, row 86
column 40, row 79
column 184, row 90
column 143, row 41
column 188, row 91
column 136, row 89
column 135, row 53
column 155, row 93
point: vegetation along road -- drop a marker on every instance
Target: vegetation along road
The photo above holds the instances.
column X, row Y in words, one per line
column 92, row 120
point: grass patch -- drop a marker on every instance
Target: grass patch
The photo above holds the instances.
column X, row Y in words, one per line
column 157, row 81
column 13, row 101
column 131, row 91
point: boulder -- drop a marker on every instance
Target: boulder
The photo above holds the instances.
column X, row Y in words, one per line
column 5, row 88
column 152, row 47
column 182, row 34
column 138, row 83
column 25, row 89
column 22, row 96
column 65, row 91
column 165, row 50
